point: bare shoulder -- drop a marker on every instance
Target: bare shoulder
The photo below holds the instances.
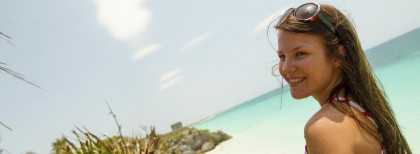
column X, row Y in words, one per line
column 330, row 131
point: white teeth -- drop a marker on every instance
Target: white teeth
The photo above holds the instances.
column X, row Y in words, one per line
column 296, row 80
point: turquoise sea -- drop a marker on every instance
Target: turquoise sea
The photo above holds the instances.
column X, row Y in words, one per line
column 264, row 125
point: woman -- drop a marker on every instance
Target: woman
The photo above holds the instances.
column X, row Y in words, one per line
column 321, row 56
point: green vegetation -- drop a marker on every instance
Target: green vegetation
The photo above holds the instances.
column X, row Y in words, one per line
column 177, row 142
column 184, row 140
column 87, row 142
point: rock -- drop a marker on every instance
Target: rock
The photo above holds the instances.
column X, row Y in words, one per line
column 199, row 140
column 189, row 152
column 224, row 136
column 189, row 140
column 176, row 146
column 176, row 126
column 186, row 132
column 207, row 146
column 195, row 140
column 217, row 138
column 184, row 148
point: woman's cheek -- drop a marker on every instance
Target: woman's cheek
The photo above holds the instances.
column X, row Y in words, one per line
column 280, row 66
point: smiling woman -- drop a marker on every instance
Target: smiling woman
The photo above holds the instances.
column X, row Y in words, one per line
column 321, row 56
column 317, row 74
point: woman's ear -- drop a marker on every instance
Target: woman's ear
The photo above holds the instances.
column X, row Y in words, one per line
column 342, row 52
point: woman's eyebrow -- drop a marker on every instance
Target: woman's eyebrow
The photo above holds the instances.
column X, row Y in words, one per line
column 296, row 48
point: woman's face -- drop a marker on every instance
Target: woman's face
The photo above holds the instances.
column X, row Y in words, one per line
column 305, row 66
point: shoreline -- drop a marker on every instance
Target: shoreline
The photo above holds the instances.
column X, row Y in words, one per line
column 202, row 120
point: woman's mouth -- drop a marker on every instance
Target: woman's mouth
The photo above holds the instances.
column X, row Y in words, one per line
column 295, row 81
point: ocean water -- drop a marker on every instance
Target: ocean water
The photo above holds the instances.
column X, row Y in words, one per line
column 264, row 125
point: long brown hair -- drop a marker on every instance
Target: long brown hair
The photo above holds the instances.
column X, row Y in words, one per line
column 358, row 78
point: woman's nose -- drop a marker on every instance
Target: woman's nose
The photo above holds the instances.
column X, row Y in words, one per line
column 288, row 66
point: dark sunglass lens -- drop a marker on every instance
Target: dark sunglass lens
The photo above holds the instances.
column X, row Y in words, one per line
column 306, row 11
column 285, row 15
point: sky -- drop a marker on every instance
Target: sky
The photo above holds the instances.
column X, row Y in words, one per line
column 155, row 62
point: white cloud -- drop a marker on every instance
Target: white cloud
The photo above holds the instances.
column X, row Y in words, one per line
column 124, row 19
column 197, row 40
column 169, row 75
column 263, row 25
column 145, row 51
column 170, row 83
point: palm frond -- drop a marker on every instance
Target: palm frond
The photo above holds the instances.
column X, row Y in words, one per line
column 8, row 39
column 11, row 72
column 6, row 126
column 18, row 76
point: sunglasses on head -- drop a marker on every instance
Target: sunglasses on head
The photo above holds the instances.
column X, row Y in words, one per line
column 306, row 13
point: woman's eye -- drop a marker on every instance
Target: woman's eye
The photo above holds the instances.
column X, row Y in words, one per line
column 300, row 54
column 282, row 57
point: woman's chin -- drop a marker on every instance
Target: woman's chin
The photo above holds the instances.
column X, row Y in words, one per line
column 299, row 96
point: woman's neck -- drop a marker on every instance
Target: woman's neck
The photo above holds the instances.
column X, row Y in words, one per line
column 341, row 93
column 323, row 97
